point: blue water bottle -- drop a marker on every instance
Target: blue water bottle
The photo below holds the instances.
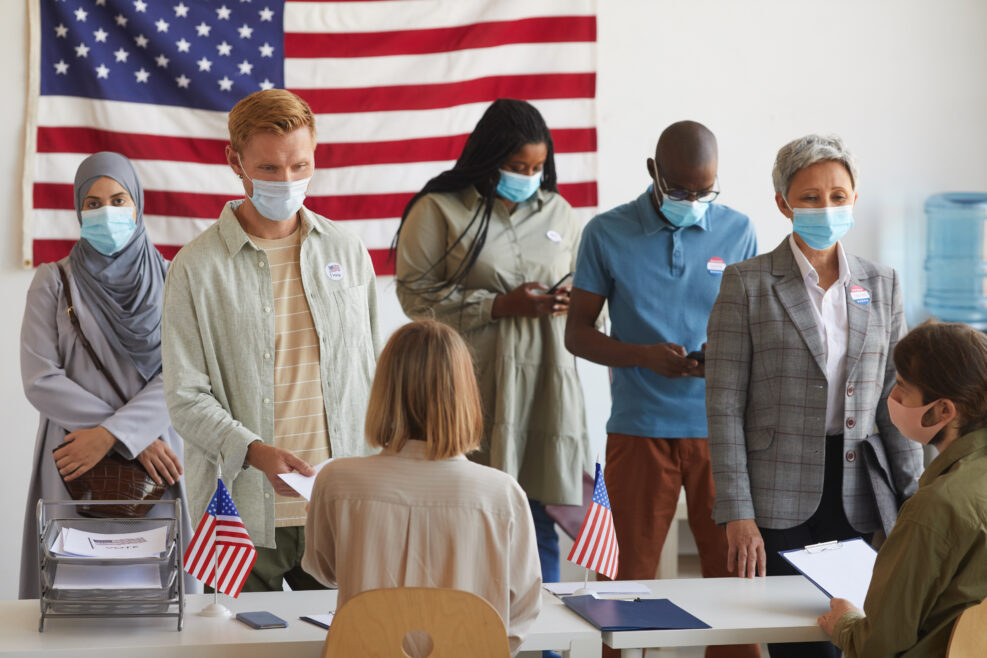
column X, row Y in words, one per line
column 956, row 260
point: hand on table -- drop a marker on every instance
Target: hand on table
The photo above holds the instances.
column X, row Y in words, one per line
column 82, row 450
column 837, row 608
column 272, row 460
column 530, row 301
column 160, row 461
column 745, row 549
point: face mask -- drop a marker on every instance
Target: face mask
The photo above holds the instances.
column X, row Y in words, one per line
column 278, row 200
column 908, row 420
column 683, row 213
column 517, row 187
column 109, row 228
column 822, row 227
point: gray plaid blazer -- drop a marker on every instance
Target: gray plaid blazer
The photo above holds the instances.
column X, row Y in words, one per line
column 766, row 394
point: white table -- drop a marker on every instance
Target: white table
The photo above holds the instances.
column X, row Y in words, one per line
column 556, row 628
column 739, row 610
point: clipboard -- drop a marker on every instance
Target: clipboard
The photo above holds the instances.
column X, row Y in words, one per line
column 840, row 569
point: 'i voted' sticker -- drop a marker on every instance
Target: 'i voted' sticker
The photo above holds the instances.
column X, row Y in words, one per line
column 715, row 266
column 860, row 295
column 334, row 271
column 554, row 236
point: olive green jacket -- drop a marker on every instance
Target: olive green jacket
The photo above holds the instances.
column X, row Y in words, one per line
column 933, row 565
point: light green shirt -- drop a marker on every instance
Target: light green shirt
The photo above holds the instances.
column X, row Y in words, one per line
column 933, row 565
column 534, row 420
column 218, row 353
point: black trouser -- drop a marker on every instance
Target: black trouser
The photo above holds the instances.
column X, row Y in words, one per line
column 827, row 523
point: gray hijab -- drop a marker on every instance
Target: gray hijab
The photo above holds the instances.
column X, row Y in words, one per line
column 121, row 291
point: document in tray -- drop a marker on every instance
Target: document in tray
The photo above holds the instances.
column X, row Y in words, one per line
column 123, row 576
column 840, row 569
column 322, row 621
column 301, row 483
column 637, row 615
column 598, row 587
column 143, row 544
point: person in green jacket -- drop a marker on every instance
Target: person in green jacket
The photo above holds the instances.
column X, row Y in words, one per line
column 933, row 564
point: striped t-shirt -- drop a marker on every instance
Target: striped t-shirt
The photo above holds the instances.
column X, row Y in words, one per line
column 299, row 410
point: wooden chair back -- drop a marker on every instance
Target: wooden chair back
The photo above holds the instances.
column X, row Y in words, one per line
column 969, row 636
column 390, row 623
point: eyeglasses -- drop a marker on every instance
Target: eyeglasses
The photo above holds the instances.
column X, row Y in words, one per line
column 681, row 194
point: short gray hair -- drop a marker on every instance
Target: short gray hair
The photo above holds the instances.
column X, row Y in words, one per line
column 806, row 151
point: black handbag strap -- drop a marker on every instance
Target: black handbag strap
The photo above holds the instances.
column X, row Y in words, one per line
column 82, row 337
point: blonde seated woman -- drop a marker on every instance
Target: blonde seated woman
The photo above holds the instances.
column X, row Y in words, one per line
column 419, row 514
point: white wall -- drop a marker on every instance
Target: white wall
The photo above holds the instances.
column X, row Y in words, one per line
column 903, row 81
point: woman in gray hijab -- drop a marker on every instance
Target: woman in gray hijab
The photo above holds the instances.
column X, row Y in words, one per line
column 116, row 278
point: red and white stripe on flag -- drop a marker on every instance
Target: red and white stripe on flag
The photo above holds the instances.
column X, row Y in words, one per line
column 596, row 545
column 396, row 87
column 221, row 554
column 236, row 557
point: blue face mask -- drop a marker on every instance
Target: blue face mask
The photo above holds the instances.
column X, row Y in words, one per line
column 821, row 228
column 109, row 228
column 517, row 187
column 683, row 213
column 279, row 200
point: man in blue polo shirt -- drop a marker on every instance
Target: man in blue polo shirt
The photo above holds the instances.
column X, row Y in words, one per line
column 657, row 261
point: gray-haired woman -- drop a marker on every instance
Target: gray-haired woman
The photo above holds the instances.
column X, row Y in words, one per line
column 798, row 372
column 116, row 278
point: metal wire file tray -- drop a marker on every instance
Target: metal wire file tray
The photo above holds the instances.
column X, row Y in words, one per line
column 61, row 600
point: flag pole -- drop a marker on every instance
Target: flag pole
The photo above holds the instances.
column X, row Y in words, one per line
column 585, row 590
column 216, row 609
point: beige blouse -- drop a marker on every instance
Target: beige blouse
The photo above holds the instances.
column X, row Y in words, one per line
column 534, row 417
column 401, row 520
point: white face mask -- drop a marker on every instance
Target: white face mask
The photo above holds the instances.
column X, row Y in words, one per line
column 277, row 200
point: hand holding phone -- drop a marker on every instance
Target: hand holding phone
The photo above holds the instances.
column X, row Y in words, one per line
column 555, row 288
column 699, row 356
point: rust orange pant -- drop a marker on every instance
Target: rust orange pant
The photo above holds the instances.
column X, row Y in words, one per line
column 643, row 477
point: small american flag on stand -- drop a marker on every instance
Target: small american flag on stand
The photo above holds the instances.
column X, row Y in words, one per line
column 221, row 525
column 596, row 546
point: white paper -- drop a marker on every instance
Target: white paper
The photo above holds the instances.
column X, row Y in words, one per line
column 143, row 544
column 842, row 570
column 124, row 576
column 598, row 587
column 301, row 483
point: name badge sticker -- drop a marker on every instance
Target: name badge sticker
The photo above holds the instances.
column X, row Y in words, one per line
column 554, row 236
column 334, row 271
column 860, row 295
column 715, row 266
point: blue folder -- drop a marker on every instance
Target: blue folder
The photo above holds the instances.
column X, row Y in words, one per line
column 637, row 615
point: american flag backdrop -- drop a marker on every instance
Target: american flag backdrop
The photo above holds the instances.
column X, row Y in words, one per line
column 396, row 86
column 221, row 526
column 596, row 545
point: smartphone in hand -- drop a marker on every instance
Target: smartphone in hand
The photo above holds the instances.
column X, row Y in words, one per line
column 699, row 356
column 555, row 288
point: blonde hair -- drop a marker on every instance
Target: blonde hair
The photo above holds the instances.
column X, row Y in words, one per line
column 275, row 111
column 425, row 389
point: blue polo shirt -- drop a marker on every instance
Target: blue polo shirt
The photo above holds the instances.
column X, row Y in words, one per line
column 660, row 283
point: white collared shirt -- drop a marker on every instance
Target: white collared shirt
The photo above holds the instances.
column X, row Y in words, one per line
column 829, row 309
